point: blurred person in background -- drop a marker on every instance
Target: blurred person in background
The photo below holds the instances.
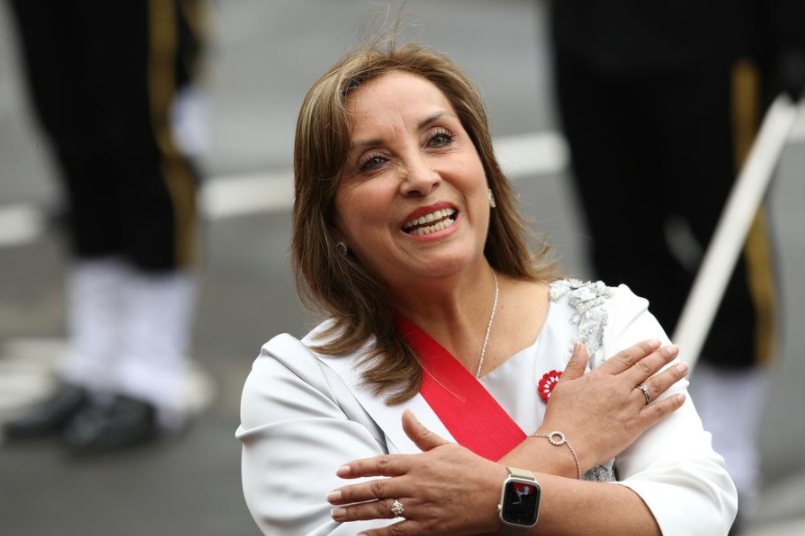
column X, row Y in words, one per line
column 106, row 83
column 660, row 102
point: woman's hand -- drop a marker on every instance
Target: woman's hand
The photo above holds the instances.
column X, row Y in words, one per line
column 445, row 490
column 603, row 412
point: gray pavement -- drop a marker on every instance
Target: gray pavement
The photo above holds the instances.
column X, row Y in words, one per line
column 265, row 55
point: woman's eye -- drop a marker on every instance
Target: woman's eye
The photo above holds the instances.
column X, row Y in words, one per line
column 440, row 139
column 371, row 162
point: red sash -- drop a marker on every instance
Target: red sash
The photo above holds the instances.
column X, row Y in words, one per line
column 464, row 406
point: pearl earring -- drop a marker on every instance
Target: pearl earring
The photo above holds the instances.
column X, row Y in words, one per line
column 342, row 248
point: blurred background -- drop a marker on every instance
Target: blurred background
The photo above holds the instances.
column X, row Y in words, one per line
column 263, row 56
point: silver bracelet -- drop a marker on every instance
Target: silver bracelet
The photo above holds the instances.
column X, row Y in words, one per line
column 558, row 439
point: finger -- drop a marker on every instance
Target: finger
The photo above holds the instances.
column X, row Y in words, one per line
column 659, row 409
column 386, row 465
column 660, row 383
column 627, row 357
column 419, row 434
column 648, row 366
column 578, row 363
column 379, row 509
column 372, row 490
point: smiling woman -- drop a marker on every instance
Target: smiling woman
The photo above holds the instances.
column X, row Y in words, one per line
column 407, row 237
column 419, row 166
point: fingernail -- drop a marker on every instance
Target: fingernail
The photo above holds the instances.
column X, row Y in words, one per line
column 338, row 513
column 334, row 496
column 673, row 349
column 422, row 426
column 343, row 470
column 654, row 343
column 681, row 368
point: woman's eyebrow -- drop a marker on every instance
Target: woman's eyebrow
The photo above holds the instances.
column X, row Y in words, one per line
column 373, row 142
column 430, row 119
column 366, row 143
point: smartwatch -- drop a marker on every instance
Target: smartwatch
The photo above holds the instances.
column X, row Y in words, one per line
column 519, row 501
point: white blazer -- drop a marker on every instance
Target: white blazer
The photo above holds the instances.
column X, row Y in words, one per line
column 303, row 415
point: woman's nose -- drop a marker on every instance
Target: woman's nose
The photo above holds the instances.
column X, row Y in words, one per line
column 420, row 178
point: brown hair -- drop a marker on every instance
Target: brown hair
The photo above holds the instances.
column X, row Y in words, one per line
column 337, row 284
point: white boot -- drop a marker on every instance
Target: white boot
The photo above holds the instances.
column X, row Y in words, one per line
column 156, row 340
column 95, row 309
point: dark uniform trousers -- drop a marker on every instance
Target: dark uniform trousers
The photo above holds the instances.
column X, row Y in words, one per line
column 659, row 103
column 103, row 76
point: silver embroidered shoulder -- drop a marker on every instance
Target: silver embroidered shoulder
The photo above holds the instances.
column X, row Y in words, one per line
column 590, row 303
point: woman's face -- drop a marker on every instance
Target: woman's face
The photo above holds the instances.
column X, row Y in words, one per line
column 412, row 198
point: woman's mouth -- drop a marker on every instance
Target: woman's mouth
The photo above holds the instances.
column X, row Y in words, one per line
column 431, row 223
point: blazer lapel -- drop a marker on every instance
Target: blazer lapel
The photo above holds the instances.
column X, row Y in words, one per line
column 388, row 418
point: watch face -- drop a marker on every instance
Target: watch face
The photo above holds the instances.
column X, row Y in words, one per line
column 520, row 501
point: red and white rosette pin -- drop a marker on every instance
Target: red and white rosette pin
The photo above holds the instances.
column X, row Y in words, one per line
column 547, row 383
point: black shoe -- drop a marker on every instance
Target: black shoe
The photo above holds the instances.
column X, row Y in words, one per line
column 123, row 423
column 49, row 416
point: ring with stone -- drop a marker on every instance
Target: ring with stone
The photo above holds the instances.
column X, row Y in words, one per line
column 397, row 508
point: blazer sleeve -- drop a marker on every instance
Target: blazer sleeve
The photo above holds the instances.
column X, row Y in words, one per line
column 672, row 466
column 299, row 424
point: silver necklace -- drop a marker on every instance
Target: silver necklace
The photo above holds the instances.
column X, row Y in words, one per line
column 488, row 327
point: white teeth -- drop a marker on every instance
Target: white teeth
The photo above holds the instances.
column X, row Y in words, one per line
column 428, row 229
column 437, row 216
